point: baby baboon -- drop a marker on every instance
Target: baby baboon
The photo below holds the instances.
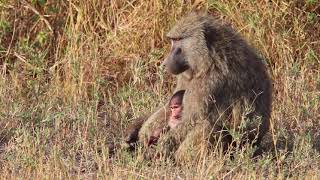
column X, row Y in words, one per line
column 227, row 87
column 176, row 108
column 175, row 105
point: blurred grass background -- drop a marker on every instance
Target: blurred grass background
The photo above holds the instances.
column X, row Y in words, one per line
column 73, row 74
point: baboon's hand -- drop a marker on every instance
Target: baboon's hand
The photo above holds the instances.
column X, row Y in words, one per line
column 132, row 136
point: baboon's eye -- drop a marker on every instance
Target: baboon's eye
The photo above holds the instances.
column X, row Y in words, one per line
column 176, row 39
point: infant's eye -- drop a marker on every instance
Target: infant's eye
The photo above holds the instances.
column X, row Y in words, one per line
column 174, row 106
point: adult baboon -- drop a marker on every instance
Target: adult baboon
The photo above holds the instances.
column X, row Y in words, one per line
column 227, row 88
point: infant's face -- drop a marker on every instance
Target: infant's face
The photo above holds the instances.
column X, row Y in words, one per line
column 176, row 110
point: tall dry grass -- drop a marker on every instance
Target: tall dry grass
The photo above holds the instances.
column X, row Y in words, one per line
column 74, row 73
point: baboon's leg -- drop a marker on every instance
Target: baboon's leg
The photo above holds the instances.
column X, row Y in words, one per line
column 202, row 139
column 156, row 120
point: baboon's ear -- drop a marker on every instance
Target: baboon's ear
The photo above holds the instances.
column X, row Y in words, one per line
column 210, row 35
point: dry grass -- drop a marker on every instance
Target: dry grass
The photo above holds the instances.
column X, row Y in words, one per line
column 74, row 73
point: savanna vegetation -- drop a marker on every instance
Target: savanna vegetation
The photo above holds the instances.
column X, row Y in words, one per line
column 73, row 74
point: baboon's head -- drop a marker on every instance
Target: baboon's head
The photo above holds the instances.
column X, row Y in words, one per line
column 191, row 41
